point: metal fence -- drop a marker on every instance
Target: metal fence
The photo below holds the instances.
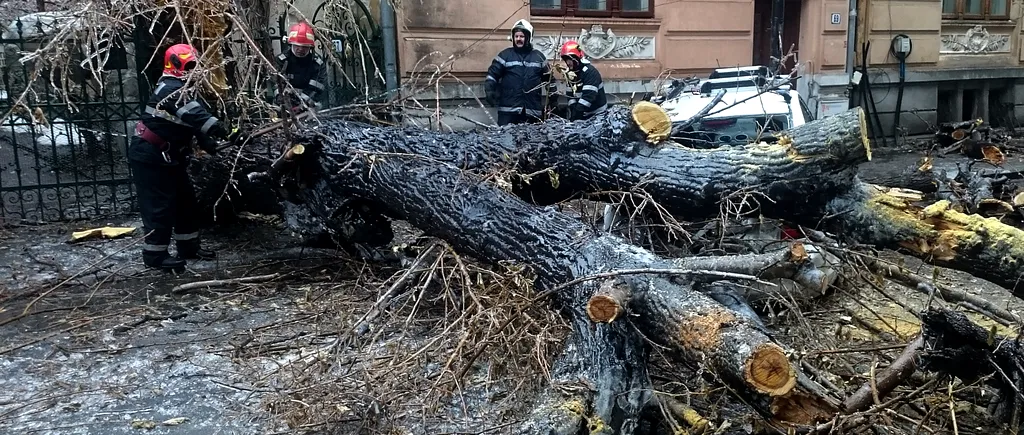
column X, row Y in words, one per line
column 64, row 159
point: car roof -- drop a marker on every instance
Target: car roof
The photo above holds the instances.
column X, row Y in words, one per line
column 735, row 83
column 688, row 105
column 752, row 70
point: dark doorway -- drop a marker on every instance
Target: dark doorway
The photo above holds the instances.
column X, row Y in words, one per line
column 763, row 32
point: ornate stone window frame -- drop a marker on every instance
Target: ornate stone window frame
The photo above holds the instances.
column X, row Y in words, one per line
column 599, row 42
column 974, row 40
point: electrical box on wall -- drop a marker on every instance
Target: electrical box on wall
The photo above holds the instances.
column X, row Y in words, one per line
column 831, row 105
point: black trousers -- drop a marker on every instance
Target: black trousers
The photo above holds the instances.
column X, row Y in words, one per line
column 167, row 202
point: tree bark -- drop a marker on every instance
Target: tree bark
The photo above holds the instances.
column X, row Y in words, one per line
column 809, row 177
column 983, row 247
column 956, row 346
column 481, row 220
column 797, row 175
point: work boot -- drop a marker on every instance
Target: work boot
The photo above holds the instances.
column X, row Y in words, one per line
column 163, row 261
column 190, row 250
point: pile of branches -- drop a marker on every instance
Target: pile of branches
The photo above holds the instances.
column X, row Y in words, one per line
column 672, row 299
column 678, row 288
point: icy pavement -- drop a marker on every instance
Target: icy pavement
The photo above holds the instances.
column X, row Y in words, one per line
column 110, row 350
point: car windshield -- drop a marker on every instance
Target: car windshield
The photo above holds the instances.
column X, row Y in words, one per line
column 735, row 131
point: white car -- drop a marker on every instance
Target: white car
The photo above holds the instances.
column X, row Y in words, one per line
column 746, row 113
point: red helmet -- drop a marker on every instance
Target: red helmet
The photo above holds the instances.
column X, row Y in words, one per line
column 571, row 49
column 179, row 59
column 301, row 34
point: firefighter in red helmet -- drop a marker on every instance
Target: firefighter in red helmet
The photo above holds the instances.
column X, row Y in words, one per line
column 302, row 68
column 585, row 87
column 159, row 155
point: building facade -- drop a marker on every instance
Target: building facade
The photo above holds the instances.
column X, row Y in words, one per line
column 965, row 57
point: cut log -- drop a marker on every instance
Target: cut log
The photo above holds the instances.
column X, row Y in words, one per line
column 796, row 175
column 481, row 220
column 905, row 170
column 983, row 247
column 807, row 176
column 799, row 273
column 609, row 303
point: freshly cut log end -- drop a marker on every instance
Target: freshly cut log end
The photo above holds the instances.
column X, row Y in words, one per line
column 993, row 154
column 768, row 369
column 798, row 253
column 603, row 309
column 609, row 302
column 652, row 120
column 296, row 150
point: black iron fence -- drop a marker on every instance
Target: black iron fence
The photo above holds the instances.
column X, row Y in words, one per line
column 64, row 158
column 62, row 153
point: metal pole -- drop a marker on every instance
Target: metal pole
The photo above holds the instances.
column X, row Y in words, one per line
column 778, row 20
column 851, row 39
column 387, row 24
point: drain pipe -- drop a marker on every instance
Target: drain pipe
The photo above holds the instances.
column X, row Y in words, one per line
column 387, row 25
column 851, row 39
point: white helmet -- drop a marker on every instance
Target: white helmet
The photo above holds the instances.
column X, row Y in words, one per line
column 524, row 26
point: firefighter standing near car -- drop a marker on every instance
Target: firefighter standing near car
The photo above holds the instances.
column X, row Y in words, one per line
column 303, row 69
column 159, row 155
column 585, row 87
column 517, row 77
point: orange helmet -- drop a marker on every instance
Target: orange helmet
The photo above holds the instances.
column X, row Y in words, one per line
column 179, row 59
column 301, row 34
column 571, row 49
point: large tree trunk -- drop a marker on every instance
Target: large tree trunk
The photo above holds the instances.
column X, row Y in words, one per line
column 479, row 219
column 807, row 177
column 445, row 184
column 983, row 247
column 798, row 175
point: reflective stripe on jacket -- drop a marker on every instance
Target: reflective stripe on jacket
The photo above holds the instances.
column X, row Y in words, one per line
column 518, row 76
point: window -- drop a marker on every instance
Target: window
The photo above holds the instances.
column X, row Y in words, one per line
column 597, row 8
column 975, row 9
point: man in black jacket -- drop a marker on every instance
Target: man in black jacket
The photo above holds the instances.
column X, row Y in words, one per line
column 303, row 69
column 159, row 155
column 516, row 79
column 586, row 89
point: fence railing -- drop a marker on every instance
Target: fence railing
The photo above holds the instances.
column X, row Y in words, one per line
column 64, row 158
column 62, row 153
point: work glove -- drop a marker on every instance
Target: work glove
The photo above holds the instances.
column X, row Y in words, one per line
column 492, row 93
column 208, row 144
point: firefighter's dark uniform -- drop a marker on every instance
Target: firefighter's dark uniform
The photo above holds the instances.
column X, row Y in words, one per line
column 515, row 83
column 586, row 92
column 159, row 155
column 306, row 74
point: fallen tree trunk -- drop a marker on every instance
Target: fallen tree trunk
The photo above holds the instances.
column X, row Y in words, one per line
column 808, row 177
column 479, row 219
column 983, row 247
column 796, row 175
